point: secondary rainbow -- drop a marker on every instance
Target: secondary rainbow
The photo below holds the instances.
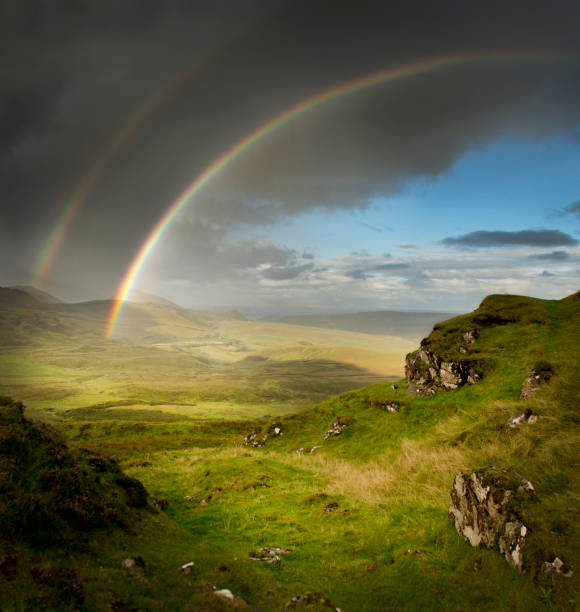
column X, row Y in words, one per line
column 273, row 124
column 108, row 153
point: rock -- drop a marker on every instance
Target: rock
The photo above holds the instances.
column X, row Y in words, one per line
column 311, row 601
column 224, row 594
column 314, row 448
column 337, row 427
column 417, row 551
column 426, row 372
column 187, row 568
column 270, row 554
column 557, row 566
column 332, row 507
column 526, row 417
column 259, row 438
column 486, row 508
column 394, row 387
column 134, row 565
column 535, row 381
column 387, row 405
column 470, row 336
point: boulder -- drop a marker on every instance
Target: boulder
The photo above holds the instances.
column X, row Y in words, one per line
column 557, row 566
column 270, row 554
column 259, row 438
column 487, row 505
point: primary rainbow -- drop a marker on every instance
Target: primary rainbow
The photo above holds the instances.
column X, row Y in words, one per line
column 276, row 122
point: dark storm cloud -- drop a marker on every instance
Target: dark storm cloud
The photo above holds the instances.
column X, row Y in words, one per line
column 79, row 74
column 533, row 238
column 553, row 256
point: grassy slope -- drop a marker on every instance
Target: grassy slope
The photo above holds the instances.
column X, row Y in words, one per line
column 390, row 473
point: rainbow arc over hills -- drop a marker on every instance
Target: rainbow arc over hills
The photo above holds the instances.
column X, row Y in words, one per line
column 343, row 89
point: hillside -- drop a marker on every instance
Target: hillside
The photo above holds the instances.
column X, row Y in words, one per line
column 411, row 325
column 361, row 516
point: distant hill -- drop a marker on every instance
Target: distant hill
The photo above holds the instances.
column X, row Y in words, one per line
column 38, row 294
column 12, row 297
column 149, row 298
column 410, row 325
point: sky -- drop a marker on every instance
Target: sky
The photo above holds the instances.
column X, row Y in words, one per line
column 425, row 192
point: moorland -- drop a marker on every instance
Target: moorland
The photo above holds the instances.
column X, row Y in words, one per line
column 359, row 518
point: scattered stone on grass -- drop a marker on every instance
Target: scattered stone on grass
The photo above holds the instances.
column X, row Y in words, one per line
column 313, row 601
column 557, row 566
column 337, row 427
column 417, row 551
column 526, row 417
column 214, row 493
column 224, row 594
column 187, row 568
column 259, row 438
column 270, row 554
column 314, row 448
column 486, row 507
column 332, row 507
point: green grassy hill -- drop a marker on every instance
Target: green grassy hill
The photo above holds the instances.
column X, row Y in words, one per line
column 363, row 515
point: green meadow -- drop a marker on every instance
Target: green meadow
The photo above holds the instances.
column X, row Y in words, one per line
column 363, row 515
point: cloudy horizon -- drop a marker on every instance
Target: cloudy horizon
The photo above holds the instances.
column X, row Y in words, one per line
column 423, row 193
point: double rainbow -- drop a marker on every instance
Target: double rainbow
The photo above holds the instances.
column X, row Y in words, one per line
column 226, row 158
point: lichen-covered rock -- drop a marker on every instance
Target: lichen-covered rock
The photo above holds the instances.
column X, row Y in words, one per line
column 426, row 372
column 270, row 554
column 557, row 566
column 486, row 506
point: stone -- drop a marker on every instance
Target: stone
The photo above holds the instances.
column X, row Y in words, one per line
column 526, row 417
column 332, row 507
column 557, row 566
column 394, row 387
column 311, row 601
column 470, row 336
column 259, row 438
column 484, row 508
column 224, row 594
column 187, row 568
column 270, row 554
column 134, row 565
column 337, row 427
column 314, row 448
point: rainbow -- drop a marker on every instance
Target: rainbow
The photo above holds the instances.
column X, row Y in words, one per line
column 384, row 76
column 52, row 247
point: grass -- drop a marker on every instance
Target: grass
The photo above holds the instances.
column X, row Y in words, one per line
column 386, row 544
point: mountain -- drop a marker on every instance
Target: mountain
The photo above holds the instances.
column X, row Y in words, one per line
column 149, row 298
column 405, row 324
column 38, row 294
column 11, row 297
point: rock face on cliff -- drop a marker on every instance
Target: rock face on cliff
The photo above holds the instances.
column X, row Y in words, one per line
column 427, row 372
column 487, row 508
column 538, row 377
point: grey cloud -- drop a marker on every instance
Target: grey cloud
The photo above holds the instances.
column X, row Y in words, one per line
column 573, row 209
column 553, row 256
column 534, row 238
column 285, row 273
column 546, row 273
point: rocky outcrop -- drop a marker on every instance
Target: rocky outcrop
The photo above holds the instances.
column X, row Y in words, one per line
column 311, row 601
column 426, row 372
column 537, row 378
column 487, row 507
